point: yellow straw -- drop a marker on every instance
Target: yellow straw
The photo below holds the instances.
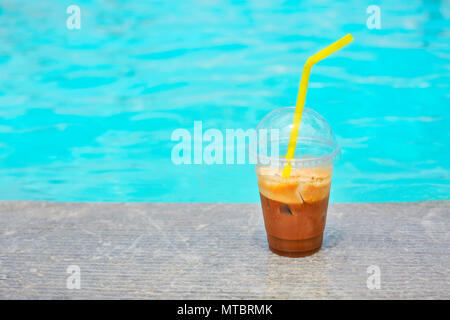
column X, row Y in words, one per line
column 302, row 95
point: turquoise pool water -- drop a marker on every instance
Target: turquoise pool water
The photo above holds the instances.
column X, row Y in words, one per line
column 87, row 115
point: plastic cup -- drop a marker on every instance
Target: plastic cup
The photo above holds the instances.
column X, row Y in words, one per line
column 295, row 208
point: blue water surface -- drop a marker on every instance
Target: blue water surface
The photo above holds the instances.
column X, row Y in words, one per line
column 87, row 115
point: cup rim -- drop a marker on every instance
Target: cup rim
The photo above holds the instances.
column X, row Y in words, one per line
column 327, row 157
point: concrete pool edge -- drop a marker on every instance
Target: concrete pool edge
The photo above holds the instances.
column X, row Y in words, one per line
column 218, row 250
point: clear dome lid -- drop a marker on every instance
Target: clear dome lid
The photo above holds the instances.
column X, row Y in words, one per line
column 316, row 143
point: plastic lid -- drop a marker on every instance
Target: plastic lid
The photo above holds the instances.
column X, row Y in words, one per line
column 316, row 143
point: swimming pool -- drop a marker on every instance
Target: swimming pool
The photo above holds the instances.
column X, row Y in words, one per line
column 87, row 115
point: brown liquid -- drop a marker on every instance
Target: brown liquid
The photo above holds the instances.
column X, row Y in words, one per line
column 295, row 209
column 294, row 230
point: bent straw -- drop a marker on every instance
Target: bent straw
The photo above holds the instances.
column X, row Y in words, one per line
column 302, row 95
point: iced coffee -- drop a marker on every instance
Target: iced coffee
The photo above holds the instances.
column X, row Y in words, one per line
column 294, row 208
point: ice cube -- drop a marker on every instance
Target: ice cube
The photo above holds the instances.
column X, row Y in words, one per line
column 285, row 209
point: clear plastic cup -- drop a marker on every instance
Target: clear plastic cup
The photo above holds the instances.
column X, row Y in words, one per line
column 295, row 208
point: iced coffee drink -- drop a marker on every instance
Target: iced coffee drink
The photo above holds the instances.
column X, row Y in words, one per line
column 294, row 208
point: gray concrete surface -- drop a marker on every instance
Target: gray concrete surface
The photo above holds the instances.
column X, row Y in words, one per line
column 199, row 251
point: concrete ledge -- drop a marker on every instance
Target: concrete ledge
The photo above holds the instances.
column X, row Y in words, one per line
column 218, row 251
